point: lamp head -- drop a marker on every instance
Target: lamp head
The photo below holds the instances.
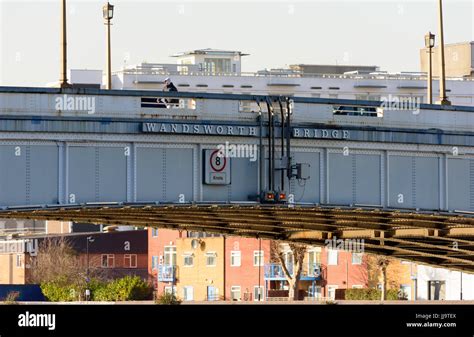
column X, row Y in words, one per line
column 429, row 40
column 108, row 11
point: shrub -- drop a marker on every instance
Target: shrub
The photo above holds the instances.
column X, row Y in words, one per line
column 12, row 297
column 128, row 288
column 168, row 298
column 369, row 294
column 125, row 289
column 56, row 292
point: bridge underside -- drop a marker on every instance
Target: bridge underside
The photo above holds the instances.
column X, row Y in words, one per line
column 443, row 239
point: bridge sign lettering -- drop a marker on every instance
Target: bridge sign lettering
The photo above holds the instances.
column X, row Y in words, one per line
column 238, row 130
column 201, row 129
column 320, row 133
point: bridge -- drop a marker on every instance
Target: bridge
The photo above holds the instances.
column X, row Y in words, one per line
column 402, row 179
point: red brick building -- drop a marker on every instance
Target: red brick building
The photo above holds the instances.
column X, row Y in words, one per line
column 162, row 251
column 247, row 270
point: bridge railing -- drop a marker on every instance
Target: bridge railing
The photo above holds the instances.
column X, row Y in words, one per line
column 145, row 104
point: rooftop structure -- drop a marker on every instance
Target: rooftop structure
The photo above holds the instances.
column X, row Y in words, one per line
column 459, row 60
column 220, row 71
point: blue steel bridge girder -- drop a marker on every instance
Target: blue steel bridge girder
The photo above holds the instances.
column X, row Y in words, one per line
column 385, row 169
column 442, row 239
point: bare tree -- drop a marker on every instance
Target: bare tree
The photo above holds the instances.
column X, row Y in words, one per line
column 293, row 273
column 383, row 263
column 56, row 260
column 377, row 270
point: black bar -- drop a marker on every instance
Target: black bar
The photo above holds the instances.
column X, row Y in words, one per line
column 242, row 320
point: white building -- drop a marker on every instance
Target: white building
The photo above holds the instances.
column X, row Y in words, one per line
column 220, row 71
column 443, row 284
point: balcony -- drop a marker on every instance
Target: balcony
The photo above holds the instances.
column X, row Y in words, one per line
column 166, row 273
column 274, row 271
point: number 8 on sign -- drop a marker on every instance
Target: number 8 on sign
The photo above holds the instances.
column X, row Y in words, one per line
column 217, row 162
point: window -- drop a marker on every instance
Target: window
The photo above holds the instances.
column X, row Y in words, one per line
column 217, row 65
column 188, row 293
column 211, row 258
column 154, row 262
column 19, row 260
column 170, row 290
column 170, row 255
column 314, row 259
column 188, row 260
column 108, row 260
column 288, row 258
column 235, row 294
column 212, row 293
column 235, row 258
column 258, row 293
column 314, row 291
column 191, row 234
column 405, row 291
column 130, row 261
column 332, row 292
column 154, row 232
column 332, row 257
column 356, row 258
column 436, row 290
column 258, row 258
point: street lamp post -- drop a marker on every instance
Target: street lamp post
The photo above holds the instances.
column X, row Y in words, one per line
column 108, row 14
column 88, row 239
column 443, row 100
column 429, row 44
column 63, row 74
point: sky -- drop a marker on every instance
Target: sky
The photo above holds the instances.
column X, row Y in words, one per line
column 385, row 33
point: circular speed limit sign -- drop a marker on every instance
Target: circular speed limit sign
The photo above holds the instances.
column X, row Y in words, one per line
column 217, row 163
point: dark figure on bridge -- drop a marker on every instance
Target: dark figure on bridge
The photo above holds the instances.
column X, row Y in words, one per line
column 169, row 86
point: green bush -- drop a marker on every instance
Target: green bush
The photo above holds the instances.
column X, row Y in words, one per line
column 127, row 288
column 369, row 294
column 56, row 292
column 167, row 298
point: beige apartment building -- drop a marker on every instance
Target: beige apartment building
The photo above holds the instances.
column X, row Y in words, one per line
column 459, row 60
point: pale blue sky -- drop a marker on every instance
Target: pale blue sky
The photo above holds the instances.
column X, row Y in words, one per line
column 276, row 33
